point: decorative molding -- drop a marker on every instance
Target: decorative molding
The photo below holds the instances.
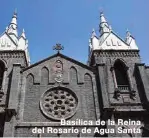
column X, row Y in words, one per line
column 1, row 95
column 118, row 53
column 58, row 71
column 117, row 94
column 133, row 94
column 5, row 55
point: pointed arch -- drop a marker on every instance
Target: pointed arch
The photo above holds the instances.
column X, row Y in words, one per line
column 88, row 81
column 119, row 59
column 44, row 76
column 29, row 81
column 2, row 69
column 4, row 62
column 73, row 75
column 120, row 69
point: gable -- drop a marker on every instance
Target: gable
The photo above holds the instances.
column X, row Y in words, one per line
column 65, row 79
column 59, row 55
column 50, row 63
column 114, row 42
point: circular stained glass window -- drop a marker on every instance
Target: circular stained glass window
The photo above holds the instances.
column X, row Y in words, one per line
column 58, row 103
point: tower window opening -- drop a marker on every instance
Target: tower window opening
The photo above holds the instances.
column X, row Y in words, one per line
column 121, row 75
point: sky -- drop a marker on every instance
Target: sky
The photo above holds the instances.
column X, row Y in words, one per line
column 70, row 23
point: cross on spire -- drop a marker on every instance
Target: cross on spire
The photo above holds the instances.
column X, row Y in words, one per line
column 58, row 47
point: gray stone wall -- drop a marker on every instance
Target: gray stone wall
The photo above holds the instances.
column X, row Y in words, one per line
column 9, row 58
column 105, row 61
column 125, row 107
column 41, row 78
column 91, row 90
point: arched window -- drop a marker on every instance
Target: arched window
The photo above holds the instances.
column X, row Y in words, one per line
column 44, row 76
column 73, row 75
column 29, row 81
column 2, row 69
column 88, row 82
column 121, row 75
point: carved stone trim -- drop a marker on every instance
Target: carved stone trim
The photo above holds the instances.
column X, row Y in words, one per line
column 117, row 94
column 58, row 71
column 118, row 54
column 133, row 94
column 58, row 103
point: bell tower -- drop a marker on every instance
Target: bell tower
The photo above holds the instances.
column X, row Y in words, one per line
column 13, row 54
column 117, row 63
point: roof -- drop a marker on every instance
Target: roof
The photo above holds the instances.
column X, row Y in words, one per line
column 63, row 56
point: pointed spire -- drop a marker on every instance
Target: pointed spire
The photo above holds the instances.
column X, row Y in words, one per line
column 14, row 18
column 23, row 34
column 12, row 29
column 128, row 37
column 130, row 40
column 102, row 18
column 104, row 27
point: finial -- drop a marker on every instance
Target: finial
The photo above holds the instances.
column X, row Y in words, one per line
column 93, row 33
column 103, row 26
column 58, row 47
column 14, row 18
column 12, row 28
column 127, row 30
column 6, row 28
column 23, row 34
column 26, row 41
column 102, row 18
column 15, row 14
column 101, row 13
column 127, row 39
column 128, row 33
column 101, row 10
column 15, row 11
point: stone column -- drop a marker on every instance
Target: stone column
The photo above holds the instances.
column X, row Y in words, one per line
column 4, row 79
column 129, row 78
column 116, row 91
column 15, row 87
column 9, row 127
column 114, row 77
column 102, row 81
column 133, row 92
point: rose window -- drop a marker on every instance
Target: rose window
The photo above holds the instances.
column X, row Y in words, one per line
column 58, row 103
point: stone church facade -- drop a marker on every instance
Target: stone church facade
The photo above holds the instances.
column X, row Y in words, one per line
column 113, row 85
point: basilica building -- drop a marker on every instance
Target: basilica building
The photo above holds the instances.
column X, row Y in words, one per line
column 113, row 85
